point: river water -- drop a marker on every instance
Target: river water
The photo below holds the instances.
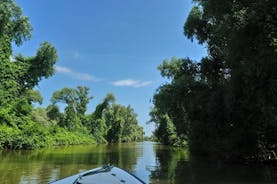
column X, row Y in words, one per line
column 150, row 161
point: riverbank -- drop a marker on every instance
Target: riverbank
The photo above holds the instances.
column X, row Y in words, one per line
column 33, row 136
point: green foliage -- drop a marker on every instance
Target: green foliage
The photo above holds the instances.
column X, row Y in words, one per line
column 98, row 128
column 10, row 88
column 65, row 95
column 60, row 136
column 111, row 122
column 21, row 126
column 38, row 66
column 14, row 27
column 15, row 113
column 100, row 108
column 39, row 115
column 20, row 74
column 34, row 96
column 96, row 123
column 27, row 136
column 224, row 105
column 122, row 125
column 83, row 99
column 76, row 101
column 53, row 112
column 166, row 131
column 33, row 136
column 24, row 127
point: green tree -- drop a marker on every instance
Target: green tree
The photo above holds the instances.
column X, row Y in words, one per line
column 76, row 101
column 38, row 66
column 18, row 74
column 225, row 104
column 53, row 113
column 83, row 99
column 111, row 122
column 33, row 96
column 131, row 130
column 97, row 123
column 21, row 125
column 14, row 27
column 39, row 115
column 122, row 124
column 240, row 38
column 100, row 108
column 68, row 96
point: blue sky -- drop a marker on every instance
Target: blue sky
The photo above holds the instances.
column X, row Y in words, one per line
column 111, row 46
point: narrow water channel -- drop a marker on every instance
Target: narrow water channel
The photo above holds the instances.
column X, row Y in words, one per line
column 151, row 162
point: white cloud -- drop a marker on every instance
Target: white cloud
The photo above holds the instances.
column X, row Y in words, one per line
column 73, row 74
column 61, row 69
column 132, row 83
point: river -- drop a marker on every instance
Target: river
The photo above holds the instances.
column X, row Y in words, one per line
column 150, row 161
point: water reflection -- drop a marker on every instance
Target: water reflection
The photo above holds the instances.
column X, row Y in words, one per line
column 177, row 167
column 46, row 165
column 151, row 162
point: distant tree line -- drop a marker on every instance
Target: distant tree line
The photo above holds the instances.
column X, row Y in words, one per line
column 224, row 105
column 110, row 122
column 24, row 127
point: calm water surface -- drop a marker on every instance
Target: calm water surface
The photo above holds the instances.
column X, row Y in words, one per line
column 151, row 162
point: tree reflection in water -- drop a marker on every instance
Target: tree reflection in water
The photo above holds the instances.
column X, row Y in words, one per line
column 152, row 162
column 178, row 167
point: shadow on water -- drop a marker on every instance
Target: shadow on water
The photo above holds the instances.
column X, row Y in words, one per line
column 176, row 166
column 151, row 162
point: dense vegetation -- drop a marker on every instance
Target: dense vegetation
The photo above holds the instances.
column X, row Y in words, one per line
column 24, row 127
column 224, row 105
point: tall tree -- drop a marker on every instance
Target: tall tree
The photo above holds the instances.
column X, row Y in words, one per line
column 83, row 99
column 69, row 97
column 20, row 74
column 111, row 122
column 76, row 101
column 225, row 104
column 14, row 27
column 97, row 123
column 122, row 124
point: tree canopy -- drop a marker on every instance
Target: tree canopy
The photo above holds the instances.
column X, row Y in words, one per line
column 22, row 126
column 225, row 104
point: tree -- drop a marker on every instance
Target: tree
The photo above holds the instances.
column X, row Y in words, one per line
column 97, row 124
column 111, row 122
column 33, row 96
column 69, row 97
column 37, row 67
column 53, row 113
column 122, row 124
column 225, row 104
column 76, row 101
column 100, row 108
column 20, row 74
column 166, row 131
column 39, row 115
column 83, row 99
column 131, row 130
column 14, row 27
